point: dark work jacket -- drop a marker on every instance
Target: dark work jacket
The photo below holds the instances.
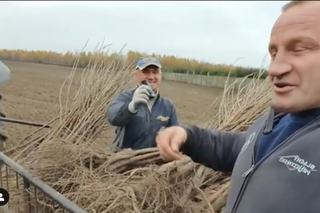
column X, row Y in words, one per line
column 286, row 180
column 136, row 131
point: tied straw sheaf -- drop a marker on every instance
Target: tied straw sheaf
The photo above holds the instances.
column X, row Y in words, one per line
column 71, row 160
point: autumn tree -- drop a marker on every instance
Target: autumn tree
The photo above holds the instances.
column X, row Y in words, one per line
column 170, row 63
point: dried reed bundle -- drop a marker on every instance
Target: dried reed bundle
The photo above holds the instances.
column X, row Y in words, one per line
column 132, row 181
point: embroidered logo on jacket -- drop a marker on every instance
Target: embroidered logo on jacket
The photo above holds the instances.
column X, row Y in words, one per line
column 162, row 118
column 295, row 163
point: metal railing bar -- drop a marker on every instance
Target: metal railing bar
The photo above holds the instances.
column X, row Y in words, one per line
column 5, row 209
column 46, row 189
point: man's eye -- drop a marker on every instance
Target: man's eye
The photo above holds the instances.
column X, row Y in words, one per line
column 298, row 49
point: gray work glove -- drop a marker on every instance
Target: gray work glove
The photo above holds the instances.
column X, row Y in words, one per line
column 140, row 97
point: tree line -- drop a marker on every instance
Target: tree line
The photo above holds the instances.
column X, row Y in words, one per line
column 169, row 63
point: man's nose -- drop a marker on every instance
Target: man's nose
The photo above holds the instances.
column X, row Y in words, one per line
column 150, row 76
column 277, row 69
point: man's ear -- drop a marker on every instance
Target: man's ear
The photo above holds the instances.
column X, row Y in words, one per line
column 135, row 74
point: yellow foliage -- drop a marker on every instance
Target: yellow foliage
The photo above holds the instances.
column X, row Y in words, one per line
column 68, row 59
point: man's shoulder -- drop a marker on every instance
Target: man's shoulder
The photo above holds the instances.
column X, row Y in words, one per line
column 128, row 91
column 166, row 101
column 124, row 95
column 259, row 123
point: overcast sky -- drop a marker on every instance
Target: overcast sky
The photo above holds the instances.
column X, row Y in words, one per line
column 218, row 32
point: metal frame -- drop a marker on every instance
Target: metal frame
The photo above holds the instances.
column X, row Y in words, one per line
column 63, row 204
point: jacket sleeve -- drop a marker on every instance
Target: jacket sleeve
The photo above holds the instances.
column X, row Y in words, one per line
column 216, row 150
column 118, row 113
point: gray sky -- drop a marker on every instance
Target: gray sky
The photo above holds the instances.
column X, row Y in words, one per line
column 218, row 32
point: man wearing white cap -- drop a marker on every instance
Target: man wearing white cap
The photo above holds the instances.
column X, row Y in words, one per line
column 141, row 112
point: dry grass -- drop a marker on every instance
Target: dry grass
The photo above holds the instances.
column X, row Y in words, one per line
column 33, row 94
column 69, row 160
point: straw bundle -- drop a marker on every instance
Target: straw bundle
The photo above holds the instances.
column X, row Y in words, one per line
column 131, row 181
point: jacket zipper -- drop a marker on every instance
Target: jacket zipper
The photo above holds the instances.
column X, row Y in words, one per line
column 148, row 113
column 247, row 174
column 148, row 119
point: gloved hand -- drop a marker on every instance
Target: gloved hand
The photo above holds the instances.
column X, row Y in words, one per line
column 140, row 96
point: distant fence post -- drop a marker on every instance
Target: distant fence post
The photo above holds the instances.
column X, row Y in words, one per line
column 199, row 78
column 186, row 78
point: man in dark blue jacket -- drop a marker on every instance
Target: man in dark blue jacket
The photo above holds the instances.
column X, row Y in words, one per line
column 4, row 77
column 274, row 164
column 141, row 112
